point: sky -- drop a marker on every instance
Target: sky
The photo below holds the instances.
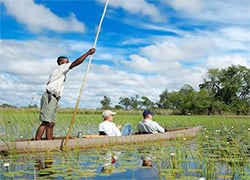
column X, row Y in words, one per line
column 144, row 47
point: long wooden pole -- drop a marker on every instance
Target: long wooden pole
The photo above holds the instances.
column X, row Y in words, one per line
column 85, row 77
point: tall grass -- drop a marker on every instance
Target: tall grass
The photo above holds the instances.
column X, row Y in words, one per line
column 220, row 151
column 24, row 122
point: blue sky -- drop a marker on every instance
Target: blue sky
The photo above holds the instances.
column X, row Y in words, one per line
column 144, row 47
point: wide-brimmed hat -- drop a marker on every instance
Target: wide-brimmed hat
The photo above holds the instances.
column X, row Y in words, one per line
column 107, row 113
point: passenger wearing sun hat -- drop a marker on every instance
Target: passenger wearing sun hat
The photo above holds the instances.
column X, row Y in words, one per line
column 107, row 113
column 108, row 127
column 147, row 125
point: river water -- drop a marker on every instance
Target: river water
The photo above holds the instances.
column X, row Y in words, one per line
column 157, row 160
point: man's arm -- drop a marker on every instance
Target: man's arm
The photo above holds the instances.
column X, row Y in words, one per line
column 159, row 127
column 82, row 58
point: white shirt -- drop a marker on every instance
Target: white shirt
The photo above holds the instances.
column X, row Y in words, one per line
column 109, row 128
column 150, row 126
column 57, row 79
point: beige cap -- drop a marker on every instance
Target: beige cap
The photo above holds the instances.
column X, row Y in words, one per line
column 107, row 113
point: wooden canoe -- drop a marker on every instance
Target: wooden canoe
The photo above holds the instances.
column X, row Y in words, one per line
column 90, row 141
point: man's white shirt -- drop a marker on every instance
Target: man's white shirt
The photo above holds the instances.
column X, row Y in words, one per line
column 57, row 78
column 109, row 128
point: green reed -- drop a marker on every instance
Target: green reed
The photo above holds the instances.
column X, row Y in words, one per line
column 221, row 150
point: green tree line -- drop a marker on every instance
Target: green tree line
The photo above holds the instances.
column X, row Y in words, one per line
column 222, row 91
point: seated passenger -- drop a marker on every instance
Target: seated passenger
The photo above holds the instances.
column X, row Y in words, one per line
column 108, row 127
column 148, row 126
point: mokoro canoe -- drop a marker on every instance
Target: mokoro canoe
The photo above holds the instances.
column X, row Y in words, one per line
column 90, row 141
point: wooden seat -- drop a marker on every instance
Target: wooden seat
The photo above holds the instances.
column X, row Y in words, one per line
column 102, row 133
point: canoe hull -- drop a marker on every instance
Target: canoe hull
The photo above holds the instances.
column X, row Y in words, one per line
column 90, row 142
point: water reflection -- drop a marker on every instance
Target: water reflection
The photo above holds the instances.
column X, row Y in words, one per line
column 149, row 171
column 124, row 165
column 109, row 159
column 43, row 166
column 147, row 162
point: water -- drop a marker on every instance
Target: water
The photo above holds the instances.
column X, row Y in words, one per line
column 80, row 165
column 166, row 160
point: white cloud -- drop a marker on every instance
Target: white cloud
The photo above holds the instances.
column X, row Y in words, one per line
column 227, row 11
column 28, row 57
column 186, row 48
column 140, row 64
column 38, row 18
column 189, row 6
column 236, row 33
column 147, row 73
column 229, row 40
column 140, row 7
column 170, row 59
column 226, row 60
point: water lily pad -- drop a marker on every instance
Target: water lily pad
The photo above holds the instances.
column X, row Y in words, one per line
column 13, row 173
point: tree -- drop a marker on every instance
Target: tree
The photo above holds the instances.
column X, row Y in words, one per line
column 130, row 103
column 181, row 102
column 212, row 82
column 5, row 105
column 118, row 107
column 125, row 102
column 106, row 102
column 169, row 100
column 32, row 106
column 134, row 102
column 146, row 102
column 231, row 86
column 245, row 88
column 186, row 96
column 202, row 103
column 164, row 100
column 225, row 90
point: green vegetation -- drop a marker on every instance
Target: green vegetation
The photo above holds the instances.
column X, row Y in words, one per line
column 220, row 151
column 24, row 121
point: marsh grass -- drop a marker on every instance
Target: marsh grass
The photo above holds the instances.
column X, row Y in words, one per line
column 220, row 151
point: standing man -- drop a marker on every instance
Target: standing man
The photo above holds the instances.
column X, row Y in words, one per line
column 148, row 126
column 55, row 86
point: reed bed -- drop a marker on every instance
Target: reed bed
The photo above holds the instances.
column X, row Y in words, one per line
column 220, row 151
